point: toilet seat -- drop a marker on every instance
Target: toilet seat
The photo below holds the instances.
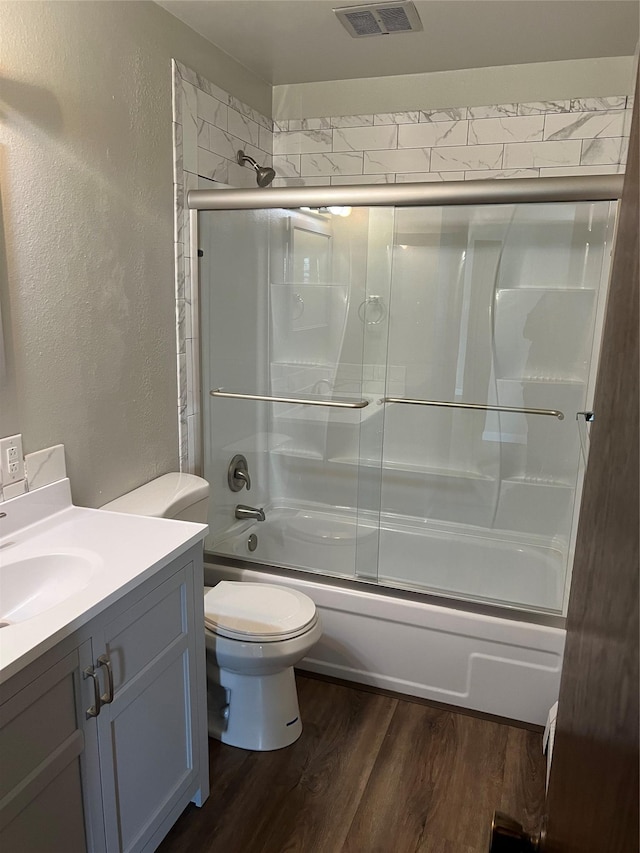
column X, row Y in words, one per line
column 256, row 612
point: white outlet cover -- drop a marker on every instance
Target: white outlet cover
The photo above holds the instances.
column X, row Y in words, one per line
column 11, row 460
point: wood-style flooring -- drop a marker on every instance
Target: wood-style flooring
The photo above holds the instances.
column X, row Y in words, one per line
column 371, row 773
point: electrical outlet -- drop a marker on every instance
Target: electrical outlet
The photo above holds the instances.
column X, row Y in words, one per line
column 11, row 459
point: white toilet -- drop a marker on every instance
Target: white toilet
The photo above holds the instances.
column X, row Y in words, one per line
column 255, row 633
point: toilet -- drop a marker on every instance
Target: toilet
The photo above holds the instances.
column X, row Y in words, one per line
column 254, row 633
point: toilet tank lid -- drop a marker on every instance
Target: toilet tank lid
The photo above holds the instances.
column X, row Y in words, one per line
column 163, row 497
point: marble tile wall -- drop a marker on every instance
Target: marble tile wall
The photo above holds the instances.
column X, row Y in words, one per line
column 527, row 140
column 209, row 126
column 537, row 139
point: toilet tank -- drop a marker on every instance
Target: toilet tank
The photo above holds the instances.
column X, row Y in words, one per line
column 181, row 496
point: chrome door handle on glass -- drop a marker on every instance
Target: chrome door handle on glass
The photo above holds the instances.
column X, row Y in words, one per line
column 478, row 406
column 334, row 403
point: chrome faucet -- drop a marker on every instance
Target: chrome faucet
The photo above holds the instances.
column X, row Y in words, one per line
column 244, row 512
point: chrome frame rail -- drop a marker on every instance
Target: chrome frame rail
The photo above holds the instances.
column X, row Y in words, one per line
column 490, row 191
column 335, row 403
column 479, row 406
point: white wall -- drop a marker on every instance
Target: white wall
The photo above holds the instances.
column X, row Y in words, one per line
column 87, row 287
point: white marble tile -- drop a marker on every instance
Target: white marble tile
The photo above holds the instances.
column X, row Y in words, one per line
column 178, row 211
column 433, row 134
column 193, row 463
column 212, row 110
column 240, row 176
column 351, row 121
column 189, row 127
column 176, row 93
column 397, row 118
column 178, row 265
column 483, row 131
column 265, row 139
column 536, row 107
column 181, row 362
column 45, row 466
column 287, row 165
column 192, row 376
column 240, row 107
column 223, row 143
column 302, row 142
column 183, row 438
column 398, row 160
column 203, row 133
column 528, row 155
column 466, row 157
column 452, row 114
column 181, row 334
column 616, row 102
column 624, row 149
column 312, row 165
column 567, row 171
column 301, row 182
column 212, row 166
column 493, row 111
column 584, row 125
column 177, row 152
column 485, row 174
column 429, row 177
column 243, row 127
column 321, row 123
column 280, row 125
column 365, row 138
column 630, row 101
column 604, row 152
column 626, row 128
column 345, row 180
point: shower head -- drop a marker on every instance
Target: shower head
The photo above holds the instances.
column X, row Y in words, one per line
column 264, row 174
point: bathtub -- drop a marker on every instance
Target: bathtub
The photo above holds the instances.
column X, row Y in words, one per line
column 467, row 654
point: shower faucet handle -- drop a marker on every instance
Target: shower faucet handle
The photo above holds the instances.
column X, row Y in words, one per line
column 238, row 473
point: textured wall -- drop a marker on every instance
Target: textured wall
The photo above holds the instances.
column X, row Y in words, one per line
column 88, row 299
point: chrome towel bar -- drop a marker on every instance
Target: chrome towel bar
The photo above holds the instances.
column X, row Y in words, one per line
column 335, row 403
column 480, row 406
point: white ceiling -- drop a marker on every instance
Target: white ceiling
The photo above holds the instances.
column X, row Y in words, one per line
column 302, row 41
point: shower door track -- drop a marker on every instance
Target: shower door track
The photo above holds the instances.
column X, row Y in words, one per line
column 489, row 191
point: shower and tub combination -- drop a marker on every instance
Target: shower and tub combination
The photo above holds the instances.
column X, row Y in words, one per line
column 407, row 372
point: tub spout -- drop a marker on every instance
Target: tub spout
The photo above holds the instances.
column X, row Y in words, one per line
column 243, row 512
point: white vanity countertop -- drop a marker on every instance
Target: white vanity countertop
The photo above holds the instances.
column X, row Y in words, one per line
column 123, row 551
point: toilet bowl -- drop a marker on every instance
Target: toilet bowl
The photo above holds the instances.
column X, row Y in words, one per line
column 255, row 634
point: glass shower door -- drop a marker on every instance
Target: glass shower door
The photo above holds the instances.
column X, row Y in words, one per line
column 282, row 351
column 493, row 306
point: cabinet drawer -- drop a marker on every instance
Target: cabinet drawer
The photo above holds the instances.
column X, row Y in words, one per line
column 36, row 721
column 146, row 629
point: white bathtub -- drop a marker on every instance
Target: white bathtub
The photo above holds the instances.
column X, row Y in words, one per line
column 412, row 645
column 447, row 559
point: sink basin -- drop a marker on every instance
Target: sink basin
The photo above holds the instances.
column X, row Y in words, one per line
column 32, row 585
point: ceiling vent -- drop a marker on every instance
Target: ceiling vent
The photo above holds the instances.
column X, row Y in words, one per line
column 379, row 19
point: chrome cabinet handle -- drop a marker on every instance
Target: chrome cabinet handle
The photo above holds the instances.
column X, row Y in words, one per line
column 107, row 698
column 94, row 710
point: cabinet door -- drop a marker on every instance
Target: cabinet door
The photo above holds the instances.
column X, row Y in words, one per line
column 147, row 731
column 48, row 750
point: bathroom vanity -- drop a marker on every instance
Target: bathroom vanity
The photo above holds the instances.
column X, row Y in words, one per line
column 103, row 696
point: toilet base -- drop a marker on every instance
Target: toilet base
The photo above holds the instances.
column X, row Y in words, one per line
column 256, row 712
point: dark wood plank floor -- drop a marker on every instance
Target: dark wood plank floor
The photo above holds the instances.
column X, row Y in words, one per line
column 371, row 773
